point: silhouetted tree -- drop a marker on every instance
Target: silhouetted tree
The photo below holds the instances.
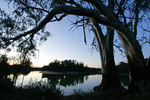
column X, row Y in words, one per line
column 39, row 13
column 25, row 62
column 122, row 67
column 4, row 59
column 4, row 66
column 69, row 66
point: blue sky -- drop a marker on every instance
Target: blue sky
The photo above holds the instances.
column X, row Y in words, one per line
column 65, row 44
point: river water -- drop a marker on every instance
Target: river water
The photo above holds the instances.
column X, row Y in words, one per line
column 66, row 82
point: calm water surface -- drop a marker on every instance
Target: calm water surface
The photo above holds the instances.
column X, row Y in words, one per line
column 68, row 82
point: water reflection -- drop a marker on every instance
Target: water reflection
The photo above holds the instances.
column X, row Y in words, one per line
column 66, row 79
column 124, row 79
column 66, row 82
column 21, row 79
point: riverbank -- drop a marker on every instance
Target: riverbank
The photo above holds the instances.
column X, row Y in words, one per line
column 46, row 91
column 50, row 72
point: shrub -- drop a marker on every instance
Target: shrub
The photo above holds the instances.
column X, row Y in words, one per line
column 39, row 91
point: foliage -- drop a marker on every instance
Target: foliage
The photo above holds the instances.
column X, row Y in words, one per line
column 25, row 62
column 35, row 14
column 3, row 59
column 40, row 90
column 6, row 85
column 33, row 91
column 4, row 66
column 29, row 18
column 6, row 69
column 122, row 67
column 68, row 66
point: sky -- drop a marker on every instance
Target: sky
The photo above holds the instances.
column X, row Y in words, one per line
column 69, row 44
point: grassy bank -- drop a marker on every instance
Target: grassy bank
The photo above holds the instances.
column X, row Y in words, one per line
column 46, row 91
column 32, row 91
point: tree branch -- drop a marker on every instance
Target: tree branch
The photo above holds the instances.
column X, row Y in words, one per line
column 103, row 9
column 145, row 42
column 119, row 48
column 89, row 13
column 34, row 7
column 145, row 29
column 120, row 11
column 137, row 11
column 72, row 2
column 84, row 32
column 63, row 9
column 59, row 19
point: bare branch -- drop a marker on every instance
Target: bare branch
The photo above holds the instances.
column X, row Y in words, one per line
column 72, row 2
column 42, row 9
column 145, row 29
column 94, row 44
column 119, row 48
column 89, row 13
column 75, row 24
column 103, row 9
column 120, row 11
column 54, row 12
column 59, row 19
column 145, row 43
column 84, row 32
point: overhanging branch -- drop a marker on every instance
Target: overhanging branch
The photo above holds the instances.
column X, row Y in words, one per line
column 59, row 19
column 103, row 9
column 70, row 10
column 64, row 9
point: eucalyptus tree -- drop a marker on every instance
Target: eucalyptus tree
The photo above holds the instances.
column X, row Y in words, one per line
column 133, row 14
column 109, row 73
column 35, row 14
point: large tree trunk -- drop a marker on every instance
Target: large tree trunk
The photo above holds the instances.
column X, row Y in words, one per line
column 137, row 65
column 110, row 79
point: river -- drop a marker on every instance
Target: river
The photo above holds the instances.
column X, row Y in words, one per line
column 66, row 82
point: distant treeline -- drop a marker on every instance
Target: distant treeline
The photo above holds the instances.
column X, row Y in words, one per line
column 74, row 66
column 122, row 67
column 6, row 69
column 69, row 66
column 57, row 66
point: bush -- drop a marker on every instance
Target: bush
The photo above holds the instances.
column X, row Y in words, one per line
column 6, row 85
column 33, row 91
column 39, row 91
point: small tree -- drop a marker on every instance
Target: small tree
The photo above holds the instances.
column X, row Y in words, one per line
column 4, row 66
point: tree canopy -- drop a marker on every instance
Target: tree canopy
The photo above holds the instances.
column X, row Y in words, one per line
column 27, row 25
column 29, row 19
column 69, row 66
